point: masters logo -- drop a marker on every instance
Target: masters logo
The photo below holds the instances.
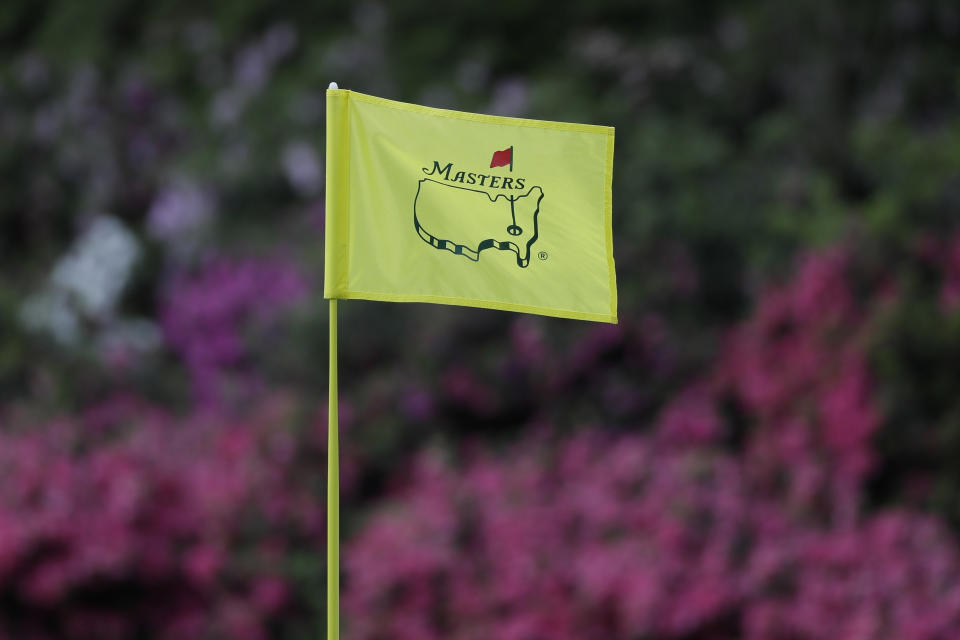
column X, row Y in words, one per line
column 467, row 212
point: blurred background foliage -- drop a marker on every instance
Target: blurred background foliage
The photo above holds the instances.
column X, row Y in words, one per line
column 786, row 192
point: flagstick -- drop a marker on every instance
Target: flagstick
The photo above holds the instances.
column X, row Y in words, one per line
column 333, row 482
column 333, row 490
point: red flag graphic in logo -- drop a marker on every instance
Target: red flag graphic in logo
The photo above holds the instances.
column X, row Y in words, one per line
column 502, row 158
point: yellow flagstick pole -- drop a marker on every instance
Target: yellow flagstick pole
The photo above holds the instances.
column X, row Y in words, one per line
column 333, row 490
column 333, row 480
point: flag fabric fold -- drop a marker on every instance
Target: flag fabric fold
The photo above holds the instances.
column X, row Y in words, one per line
column 414, row 214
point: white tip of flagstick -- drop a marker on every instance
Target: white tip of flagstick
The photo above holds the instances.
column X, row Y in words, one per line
column 333, row 85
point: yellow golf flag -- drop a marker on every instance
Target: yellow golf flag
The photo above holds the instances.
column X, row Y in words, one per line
column 432, row 205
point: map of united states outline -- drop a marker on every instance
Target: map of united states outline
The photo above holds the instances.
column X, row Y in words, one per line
column 472, row 250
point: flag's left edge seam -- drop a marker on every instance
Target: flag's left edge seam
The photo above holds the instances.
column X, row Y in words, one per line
column 334, row 194
column 344, row 284
column 608, row 223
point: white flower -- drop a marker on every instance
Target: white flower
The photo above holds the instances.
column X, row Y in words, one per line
column 86, row 283
column 97, row 268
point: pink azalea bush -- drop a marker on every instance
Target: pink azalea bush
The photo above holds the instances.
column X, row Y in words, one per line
column 206, row 315
column 615, row 537
column 129, row 521
column 596, row 536
column 737, row 516
column 896, row 575
column 592, row 537
column 797, row 370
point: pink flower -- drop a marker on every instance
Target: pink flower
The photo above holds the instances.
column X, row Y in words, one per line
column 203, row 563
column 690, row 419
column 204, row 315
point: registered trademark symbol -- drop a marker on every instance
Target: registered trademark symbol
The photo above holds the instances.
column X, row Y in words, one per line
column 543, row 255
